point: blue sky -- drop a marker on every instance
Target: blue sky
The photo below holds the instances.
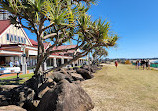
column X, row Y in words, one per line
column 136, row 23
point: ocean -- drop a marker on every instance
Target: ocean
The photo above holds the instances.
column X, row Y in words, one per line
column 155, row 61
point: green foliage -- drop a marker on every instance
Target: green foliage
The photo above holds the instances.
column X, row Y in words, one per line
column 99, row 52
column 61, row 21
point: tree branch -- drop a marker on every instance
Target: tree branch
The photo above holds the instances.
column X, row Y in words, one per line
column 45, row 28
column 51, row 35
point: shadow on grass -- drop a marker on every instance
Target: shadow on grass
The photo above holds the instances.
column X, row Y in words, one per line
column 16, row 81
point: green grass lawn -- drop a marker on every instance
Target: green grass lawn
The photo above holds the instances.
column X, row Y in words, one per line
column 13, row 80
column 123, row 89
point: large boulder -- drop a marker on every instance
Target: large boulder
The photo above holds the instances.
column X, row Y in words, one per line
column 31, row 83
column 85, row 74
column 11, row 108
column 66, row 97
column 21, row 95
column 49, row 83
column 5, row 94
column 97, row 66
column 4, row 100
column 85, row 67
column 58, row 76
column 88, row 68
column 76, row 77
column 62, row 70
column 71, row 71
column 7, row 87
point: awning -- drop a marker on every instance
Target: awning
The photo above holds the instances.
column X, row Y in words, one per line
column 10, row 53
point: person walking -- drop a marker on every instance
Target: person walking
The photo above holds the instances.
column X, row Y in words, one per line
column 146, row 63
column 11, row 64
column 143, row 64
column 116, row 63
column 17, row 64
column 149, row 64
column 137, row 64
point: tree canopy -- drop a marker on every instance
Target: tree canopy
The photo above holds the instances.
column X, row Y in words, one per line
column 60, row 21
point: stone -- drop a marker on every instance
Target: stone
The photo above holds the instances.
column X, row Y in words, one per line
column 7, row 87
column 69, row 68
column 20, row 95
column 75, row 68
column 42, row 92
column 3, row 100
column 29, row 106
column 85, row 74
column 66, row 97
column 31, row 83
column 49, row 83
column 88, row 68
column 57, row 76
column 11, row 108
column 62, row 70
column 71, row 71
column 5, row 94
column 85, row 67
column 76, row 77
column 36, row 102
column 50, row 75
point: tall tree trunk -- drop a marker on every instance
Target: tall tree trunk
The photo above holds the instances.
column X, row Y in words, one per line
column 39, row 67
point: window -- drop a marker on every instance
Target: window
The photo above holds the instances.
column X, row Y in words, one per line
column 11, row 38
column 19, row 39
column 15, row 38
column 22, row 40
column 8, row 38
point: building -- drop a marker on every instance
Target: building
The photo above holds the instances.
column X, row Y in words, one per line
column 15, row 45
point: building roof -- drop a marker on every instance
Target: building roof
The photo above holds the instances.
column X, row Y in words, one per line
column 13, row 47
column 4, row 24
column 34, row 43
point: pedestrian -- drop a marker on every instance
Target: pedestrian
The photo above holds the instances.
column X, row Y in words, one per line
column 143, row 64
column 149, row 64
column 137, row 64
column 116, row 63
column 17, row 64
column 146, row 62
column 11, row 63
